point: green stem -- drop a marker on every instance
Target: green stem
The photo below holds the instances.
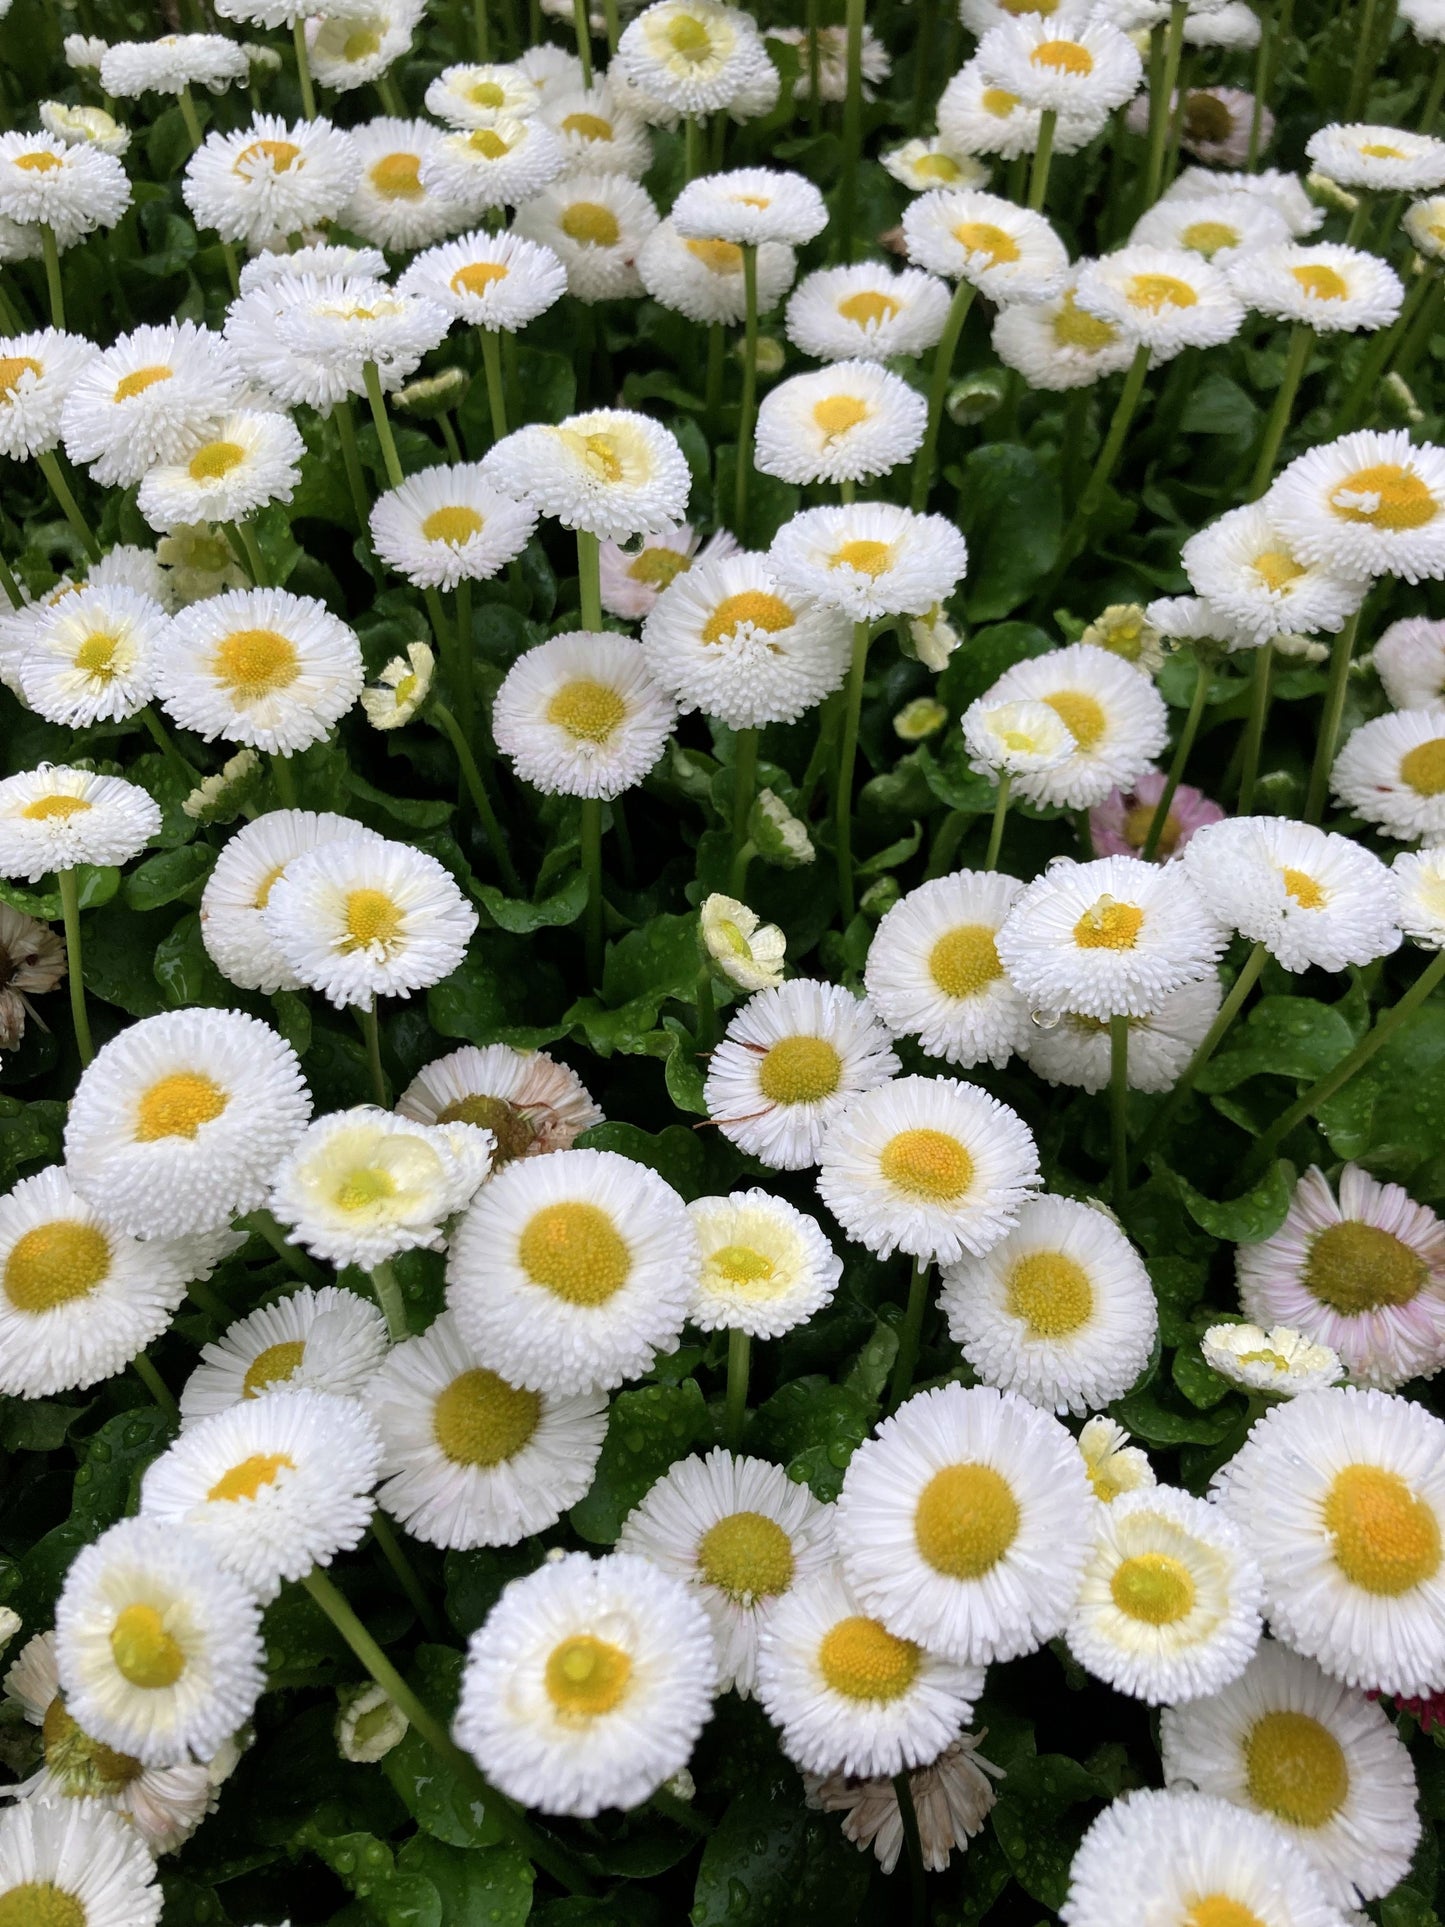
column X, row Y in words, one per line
column 910, row 1335
column 691, row 147
column 394, row 1554
column 1043, row 157
column 1263, row 59
column 255, row 561
column 449, row 439
column 1161, row 109
column 303, row 68
column 10, row 585
column 748, row 405
column 483, row 38
column 1158, row 103
column 812, row 29
column 371, row 1030
column 712, row 403
column 52, row 276
column 589, row 579
column 917, row 1886
column 1362, row 67
column 50, row 467
column 391, row 101
column 583, row 28
column 146, row 1372
column 1181, row 757
column 706, row 1008
column 165, row 743
column 745, row 774
column 946, row 839
column 285, row 780
column 388, row 1295
column 205, row 1299
column 191, row 118
column 1340, row 658
column 496, row 391
column 70, row 912
column 1301, row 341
column 481, row 801
column 843, row 798
column 1119, row 1110
column 391, row 461
column 1228, row 1011
column 466, row 692
column 590, row 835
column 1418, row 339
column 1378, row 351
column 538, row 1849
column 1435, row 95
column 612, row 25
column 1107, row 461
column 852, row 127
column 938, row 391
column 1176, row 118
column 351, row 462
column 740, row 1347
column 1254, row 728
column 1000, row 811
column 678, row 1811
column 264, row 1224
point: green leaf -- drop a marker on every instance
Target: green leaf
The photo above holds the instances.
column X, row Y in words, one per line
column 430, row 1791
column 120, row 955
column 1219, row 406
column 1146, row 1415
column 29, row 1132
column 416, row 812
column 656, row 962
column 1037, row 1826
column 169, row 875
column 1010, row 511
column 772, row 1863
column 647, row 1430
column 682, row 1069
column 107, row 1483
column 1282, row 1037
column 488, row 1884
column 982, row 659
column 814, row 1428
column 1392, row 1113
column 1255, row 1214
column 35, row 1424
column 491, row 996
column 564, row 906
column 93, row 887
column 184, row 970
column 1199, row 1382
column 676, row 1154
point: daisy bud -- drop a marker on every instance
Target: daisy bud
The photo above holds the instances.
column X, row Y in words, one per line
column 1113, row 1465
column 781, row 837
column 368, row 1726
column 402, row 689
column 1279, row 1361
column 221, row 798
column 745, row 950
column 976, row 397
column 879, row 898
column 433, row 395
column 920, row 719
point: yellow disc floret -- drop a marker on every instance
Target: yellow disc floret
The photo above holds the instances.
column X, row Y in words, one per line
column 1296, row 1768
column 1386, row 1538
column 54, row 1264
column 479, row 1419
column 1153, row 1587
column 575, row 1251
column 864, row 1661
column 587, row 1676
column 746, row 1555
column 145, row 1651
column 1051, row 1293
column 178, row 1105
column 967, row 1518
column 927, row 1164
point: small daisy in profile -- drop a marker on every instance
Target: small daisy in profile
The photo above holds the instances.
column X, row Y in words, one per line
column 933, row 969
column 147, row 398
column 1392, row 160
column 613, row 473
column 868, row 313
column 1082, row 71
column 1285, row 193
column 158, row 1648
column 1371, row 503
column 180, row 1121
column 319, row 1340
column 53, row 818
column 1362, row 1273
column 393, row 203
column 952, row 1798
column 965, row 1524
column 790, row 1063
column 1420, row 875
column 1169, row 1607
column 270, row 179
column 588, row 1684
column 1055, row 344
column 1316, row 1757
column 1243, row 566
column 703, row 279
column 233, row 925
column 1114, row 713
column 1165, row 299
column 1424, row 225
column 572, row 1271
column 319, row 259
column 728, row 639
column 529, row 1102
column 1341, row 1499
column 84, row 127
column 1391, row 771
column 633, row 579
column 874, row 559
column 71, row 190
column 747, row 951
column 1064, row 1047
column 481, row 95
column 171, row 64
column 77, row 1865
column 1332, row 289
column 91, row 656
column 252, row 457
column 1311, row 897
column 598, row 132
column 741, row 1534
column 1409, row 659
column 448, row 524
column 1060, row 1311
column 469, row 1460
column 595, row 224
column 750, row 206
column 494, row 281
column 579, row 715
column 1113, row 1465
column 766, row 1266
column 922, row 165
column 1218, row 226
column 401, row 689
column 1120, row 825
column 849, row 1696
column 977, row 117
column 503, row 165
column 1008, row 253
column 1280, row 1361
column 360, row 1186
column 358, row 920
column 849, row 422
column 36, row 374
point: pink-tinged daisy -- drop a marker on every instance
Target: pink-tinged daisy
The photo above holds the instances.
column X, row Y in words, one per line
column 1119, row 826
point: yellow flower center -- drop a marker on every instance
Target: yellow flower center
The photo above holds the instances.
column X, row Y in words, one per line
column 1382, row 151
column 1154, row 292
column 46, row 809
column 486, row 93
column 1296, row 1768
column 1075, row 327
column 1064, row 56
column 870, row 306
column 455, row 525
column 800, row 1070
column 746, row 1555
column 1423, row 767
column 252, row 664
column 1140, row 820
column 982, row 237
column 397, row 177
column 590, row 224
column 513, row 1129
column 1218, row 1910
column 1303, row 888
column 718, row 257
column 139, row 379
column 177, row 1106
column 487, row 142
column 39, row 162
column 216, row 459
column 589, row 711
column 1320, row 282
column 54, row 1264
column 250, row 1478
column 144, row 1651
column 361, row 43
column 689, row 38
column 587, row 1676
column 1385, row 496
column 1153, row 1587
column 1108, row 925
column 742, row 1265
column 1208, row 237
column 1387, row 1540
column 575, row 1251
column 479, row 1419
column 836, row 414
column 967, row 1518
column 1051, row 1293
column 998, row 102
column 868, row 558
column 602, row 456
column 659, row 568
column 753, row 606
column 39, row 1903
column 274, row 1366
column 588, row 127
column 1277, row 568
column 371, row 918
column 1356, row 1268
column 363, row 1186
column 1080, row 714
column 927, row 1164
column 283, row 156
column 476, row 277
column 864, row 1661
column 88, row 1769
column 12, row 368
column 933, row 167
column 965, row 961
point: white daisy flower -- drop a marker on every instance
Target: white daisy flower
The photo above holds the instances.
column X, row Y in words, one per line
column 91, row 657
column 1371, row 503
column 259, row 666
column 1328, row 287
column 740, row 1534
column 37, row 371
column 612, row 472
column 1424, row 224
column 233, row 925
column 931, row 1166
column 348, row 52
column 1169, row 1605
column 1311, row 897
column 1283, row 192
column 284, row 13
column 1082, row 70
column 579, row 715
column 480, row 95
column 1055, row 344
column 1363, row 1274
column 1113, row 711
column 252, row 458
column 150, row 397
column 1318, row 1758
column 975, row 116
column 933, row 969
column 272, row 1487
column 751, row 206
column 469, row 1460
column 595, row 224
column 502, row 165
column 694, row 56
column 703, row 279
column 322, row 1340
column 358, row 920
column 393, row 202
column 171, row 64
column 1390, row 160
column 1165, row 299
column 870, row 560
column 317, row 336
column 1234, row 25
column 869, row 313
column 53, row 818
column 921, row 165
column 588, row 1684
column 790, row 1063
column 1015, row 738
column 494, row 281
column 1391, row 771
column 1421, row 879
column 766, row 1266
column 1245, row 568
column 847, row 1695
column 1218, row 226
column 1113, row 1465
column 1008, row 253
column 832, row 62
column 1066, row 1048
column 159, row 1650
column 633, row 578
column 1280, row 1361
column 529, row 1102
column 572, row 1271
column 70, row 190
column 850, row 422
column 1060, row 1311
column 270, row 179
column 1425, row 20
column 747, row 951
column 318, row 259
column 598, row 133
column 448, row 524
column 1409, row 659
column 1341, row 1498
column 725, row 639
column 179, row 1122
column 75, row 1863
column 966, row 1522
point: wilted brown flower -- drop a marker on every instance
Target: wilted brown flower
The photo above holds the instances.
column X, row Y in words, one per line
column 32, row 958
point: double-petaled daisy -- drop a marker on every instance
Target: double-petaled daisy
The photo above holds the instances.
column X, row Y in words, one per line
column 348, row 52
column 632, row 579
column 503, row 165
column 91, row 656
column 172, row 63
column 233, row 926
column 1424, row 223
column 1285, row 193
column 318, row 259
column 529, row 1102
column 1391, row 771
column 1341, row 1498
column 1165, row 299
column 598, row 132
column 470, row 1460
column 318, row 336
column 791, row 1062
column 869, row 313
column 84, row 127
column 36, row 373
column 251, row 457
column 448, row 524
column 1371, row 503
column 1363, row 1273
column 572, row 1271
column 1120, row 825
column 704, row 279
column 481, row 95
column 270, row 179
column 829, row 46
column 966, row 1522
column 595, row 224
column 1007, row 252
column 747, row 951
column 612, row 472
column 1067, row 1048
column 1328, row 287
column 1280, row 1361
column 871, row 560
column 1015, row 738
column 1420, row 875
column 1218, row 226
column 70, row 190
column 394, row 202
column 921, row 165
column 1056, row 344
column 975, row 116
column 1060, row 1311
column 849, row 422
column 494, row 281
column 750, row 206
column 1113, row 1465
column 1080, row 70
column 1114, row 713
column 1409, row 659
column 580, row 715
column 694, row 56
column 1244, row 566
column 147, row 398
column 934, row 973
column 741, row 1535
column 1392, row 160
column 766, row 1266
column 76, row 1865
column 53, row 818
column 320, row 1340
